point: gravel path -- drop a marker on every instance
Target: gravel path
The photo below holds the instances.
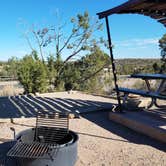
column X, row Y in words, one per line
column 103, row 143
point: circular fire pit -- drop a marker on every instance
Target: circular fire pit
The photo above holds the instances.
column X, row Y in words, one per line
column 66, row 154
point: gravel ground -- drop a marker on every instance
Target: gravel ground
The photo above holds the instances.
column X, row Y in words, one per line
column 103, row 143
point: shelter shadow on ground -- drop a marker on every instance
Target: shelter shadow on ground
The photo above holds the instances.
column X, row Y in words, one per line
column 102, row 119
column 28, row 106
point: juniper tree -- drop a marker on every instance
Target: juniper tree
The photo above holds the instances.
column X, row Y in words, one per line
column 32, row 74
column 77, row 39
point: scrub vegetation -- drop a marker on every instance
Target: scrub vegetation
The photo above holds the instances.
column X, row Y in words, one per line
column 38, row 72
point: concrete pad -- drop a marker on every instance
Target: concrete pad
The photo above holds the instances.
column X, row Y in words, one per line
column 142, row 123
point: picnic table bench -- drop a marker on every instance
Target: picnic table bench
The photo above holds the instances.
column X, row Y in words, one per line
column 159, row 93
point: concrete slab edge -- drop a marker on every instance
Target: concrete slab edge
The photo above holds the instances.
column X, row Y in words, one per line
column 153, row 132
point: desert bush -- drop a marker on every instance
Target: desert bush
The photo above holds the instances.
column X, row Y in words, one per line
column 32, row 74
column 162, row 45
column 11, row 88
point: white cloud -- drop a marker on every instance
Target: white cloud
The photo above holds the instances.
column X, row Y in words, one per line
column 137, row 42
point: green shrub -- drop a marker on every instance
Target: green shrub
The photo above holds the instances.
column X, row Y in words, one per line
column 32, row 74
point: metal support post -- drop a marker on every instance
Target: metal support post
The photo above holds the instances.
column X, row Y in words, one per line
column 113, row 65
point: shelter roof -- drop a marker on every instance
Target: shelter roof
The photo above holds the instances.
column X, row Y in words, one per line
column 155, row 9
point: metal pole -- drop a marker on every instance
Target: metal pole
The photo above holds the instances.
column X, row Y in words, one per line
column 113, row 64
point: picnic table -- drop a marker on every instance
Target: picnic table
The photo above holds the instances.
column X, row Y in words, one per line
column 158, row 93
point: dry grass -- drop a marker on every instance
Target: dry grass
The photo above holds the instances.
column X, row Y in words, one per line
column 10, row 88
column 137, row 83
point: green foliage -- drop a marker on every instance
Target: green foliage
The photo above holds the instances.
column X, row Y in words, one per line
column 32, row 74
column 2, row 63
column 80, row 36
column 12, row 67
column 92, row 70
column 51, row 70
column 83, row 74
column 83, row 20
column 130, row 66
column 62, row 74
column 156, row 67
column 9, row 68
column 71, row 75
column 162, row 45
column 3, row 70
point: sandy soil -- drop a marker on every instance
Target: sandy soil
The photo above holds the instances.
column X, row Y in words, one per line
column 103, row 143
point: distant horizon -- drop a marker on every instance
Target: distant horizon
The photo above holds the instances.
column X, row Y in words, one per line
column 115, row 59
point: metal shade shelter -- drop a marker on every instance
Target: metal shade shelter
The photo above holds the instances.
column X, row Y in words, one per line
column 155, row 9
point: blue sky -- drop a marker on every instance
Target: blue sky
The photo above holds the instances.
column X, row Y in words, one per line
column 134, row 36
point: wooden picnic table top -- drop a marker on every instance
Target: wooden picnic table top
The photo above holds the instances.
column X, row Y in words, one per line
column 149, row 76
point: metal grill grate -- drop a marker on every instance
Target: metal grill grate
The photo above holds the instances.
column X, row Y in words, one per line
column 33, row 150
column 50, row 128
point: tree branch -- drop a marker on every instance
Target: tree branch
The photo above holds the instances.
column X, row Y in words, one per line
column 93, row 74
column 39, row 44
column 29, row 43
column 67, row 41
